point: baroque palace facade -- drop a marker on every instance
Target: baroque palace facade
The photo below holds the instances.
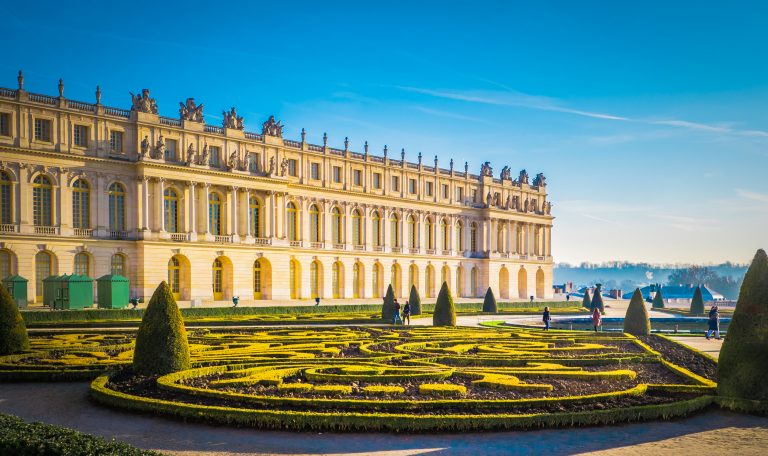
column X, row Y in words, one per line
column 221, row 212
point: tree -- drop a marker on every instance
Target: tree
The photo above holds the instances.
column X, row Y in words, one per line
column 586, row 302
column 697, row 303
column 445, row 311
column 161, row 342
column 636, row 320
column 658, row 300
column 597, row 299
column 388, row 308
column 489, row 303
column 742, row 368
column 13, row 332
column 415, row 301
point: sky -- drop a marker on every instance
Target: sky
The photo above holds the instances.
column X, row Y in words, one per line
column 649, row 119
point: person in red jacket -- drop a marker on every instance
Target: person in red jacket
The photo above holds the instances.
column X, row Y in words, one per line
column 596, row 318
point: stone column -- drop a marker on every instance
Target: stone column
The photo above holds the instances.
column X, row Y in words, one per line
column 234, row 228
column 192, row 205
column 510, row 246
column 145, row 199
column 248, row 217
column 386, row 234
column 328, row 232
column 207, row 212
column 161, row 202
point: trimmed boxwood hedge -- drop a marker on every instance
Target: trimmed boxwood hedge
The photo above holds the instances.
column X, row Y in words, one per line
column 13, row 333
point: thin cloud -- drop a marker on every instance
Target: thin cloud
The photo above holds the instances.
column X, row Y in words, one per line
column 450, row 115
column 600, row 219
column 746, row 194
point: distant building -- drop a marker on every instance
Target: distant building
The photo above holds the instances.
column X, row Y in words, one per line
column 678, row 294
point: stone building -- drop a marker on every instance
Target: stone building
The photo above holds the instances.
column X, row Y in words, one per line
column 221, row 212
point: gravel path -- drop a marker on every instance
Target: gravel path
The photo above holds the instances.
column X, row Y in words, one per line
column 66, row 404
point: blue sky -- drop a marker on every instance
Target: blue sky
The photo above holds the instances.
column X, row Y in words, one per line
column 650, row 119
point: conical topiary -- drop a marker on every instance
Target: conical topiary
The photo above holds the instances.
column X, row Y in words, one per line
column 658, row 300
column 388, row 308
column 636, row 320
column 697, row 303
column 597, row 299
column 415, row 301
column 587, row 301
column 445, row 311
column 742, row 369
column 13, row 332
column 161, row 342
column 489, row 303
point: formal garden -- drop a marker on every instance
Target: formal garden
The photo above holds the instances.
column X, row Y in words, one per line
column 355, row 371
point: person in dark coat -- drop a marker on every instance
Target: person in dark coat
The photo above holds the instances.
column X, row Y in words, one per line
column 396, row 315
column 407, row 312
column 713, row 323
column 547, row 318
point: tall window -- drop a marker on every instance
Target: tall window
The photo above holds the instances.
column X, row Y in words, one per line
column 356, row 279
column 377, row 180
column 396, row 183
column 6, row 198
column 314, row 224
column 376, row 280
column 5, row 124
column 81, row 207
column 395, row 235
column 337, row 174
column 218, row 278
column 170, row 149
column 80, row 135
column 376, row 229
column 411, row 232
column 473, row 237
column 460, row 236
column 473, row 282
column 174, row 276
column 357, row 177
column 43, row 130
column 116, row 207
column 117, row 265
column 292, row 167
column 257, row 279
column 81, row 264
column 337, row 224
column 314, row 171
column 41, row 201
column 357, row 228
column 337, row 276
column 43, row 269
column 293, row 276
column 116, row 141
column 214, row 213
column 254, row 205
column 214, row 156
column 171, row 210
column 314, row 279
column 293, row 220
column 429, row 232
column 445, row 234
column 6, row 264
column 396, row 279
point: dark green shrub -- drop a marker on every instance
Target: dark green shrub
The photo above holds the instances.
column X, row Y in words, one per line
column 388, row 308
column 658, row 300
column 697, row 303
column 597, row 299
column 415, row 300
column 13, row 333
column 161, row 342
column 445, row 312
column 489, row 303
column 742, row 370
column 587, row 301
column 636, row 320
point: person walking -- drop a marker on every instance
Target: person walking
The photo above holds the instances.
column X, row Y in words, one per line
column 547, row 318
column 407, row 313
column 317, row 300
column 396, row 314
column 714, row 323
column 597, row 319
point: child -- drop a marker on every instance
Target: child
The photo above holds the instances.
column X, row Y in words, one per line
column 596, row 318
column 407, row 312
column 547, row 319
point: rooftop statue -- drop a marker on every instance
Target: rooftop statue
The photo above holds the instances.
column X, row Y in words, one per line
column 190, row 154
column 523, row 179
column 486, row 170
column 540, row 180
column 272, row 128
column 145, row 146
column 203, row 159
column 143, row 102
column 505, row 172
column 232, row 120
column 190, row 111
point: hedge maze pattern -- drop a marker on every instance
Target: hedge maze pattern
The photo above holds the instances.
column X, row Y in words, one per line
column 414, row 379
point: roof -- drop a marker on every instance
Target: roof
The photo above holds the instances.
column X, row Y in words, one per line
column 679, row 292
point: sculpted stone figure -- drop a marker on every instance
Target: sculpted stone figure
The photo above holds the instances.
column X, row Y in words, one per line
column 233, row 160
column 548, row 208
column 508, row 203
column 540, row 180
column 204, row 156
column 232, row 120
column 505, row 171
column 272, row 165
column 525, row 206
column 488, row 200
column 272, row 128
column 145, row 147
column 523, row 179
column 190, row 154
column 283, row 168
column 143, row 102
column 190, row 111
column 160, row 148
column 486, row 170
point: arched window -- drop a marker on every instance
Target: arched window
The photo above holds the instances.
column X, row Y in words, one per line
column 174, row 277
column 356, row 281
column 430, row 279
column 376, row 280
column 293, row 273
column 293, row 222
column 445, row 234
column 473, row 282
column 6, row 264
column 413, row 277
column 460, row 236
column 81, row 207
column 43, row 269
column 314, row 279
column 338, row 276
column 6, row 198
column 473, row 237
column 429, row 233
column 41, row 201
column 460, row 281
column 445, row 276
column 412, row 232
column 116, row 207
column 395, row 236
column 171, row 210
column 357, row 228
column 117, row 265
column 81, row 264
column 337, row 226
column 396, row 280
column 256, row 279
column 376, row 230
column 218, row 280
column 214, row 213
column 254, row 205
column 314, row 224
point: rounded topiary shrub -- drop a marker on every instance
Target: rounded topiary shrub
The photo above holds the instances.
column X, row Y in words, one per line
column 489, row 303
column 658, row 300
column 415, row 301
column 13, row 332
column 388, row 308
column 697, row 303
column 161, row 342
column 742, row 369
column 587, row 301
column 597, row 300
column 636, row 320
column 445, row 311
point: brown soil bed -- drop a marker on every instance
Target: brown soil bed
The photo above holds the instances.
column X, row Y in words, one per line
column 683, row 356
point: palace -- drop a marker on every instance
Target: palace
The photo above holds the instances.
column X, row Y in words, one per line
column 221, row 212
